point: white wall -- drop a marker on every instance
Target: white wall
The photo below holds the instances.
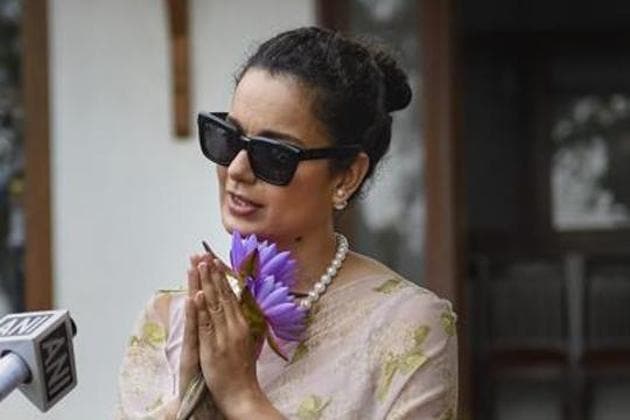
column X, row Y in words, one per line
column 130, row 201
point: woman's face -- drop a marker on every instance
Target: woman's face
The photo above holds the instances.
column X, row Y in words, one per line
column 278, row 107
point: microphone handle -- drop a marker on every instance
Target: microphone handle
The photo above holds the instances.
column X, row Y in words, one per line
column 13, row 372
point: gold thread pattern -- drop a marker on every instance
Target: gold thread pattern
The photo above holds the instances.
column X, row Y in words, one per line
column 153, row 334
column 403, row 363
column 312, row 408
column 448, row 321
column 390, row 286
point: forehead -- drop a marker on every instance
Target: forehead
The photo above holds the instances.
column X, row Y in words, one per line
column 277, row 103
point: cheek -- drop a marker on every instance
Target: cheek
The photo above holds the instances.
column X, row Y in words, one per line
column 221, row 175
column 310, row 193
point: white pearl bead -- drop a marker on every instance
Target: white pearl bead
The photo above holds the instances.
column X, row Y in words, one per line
column 320, row 288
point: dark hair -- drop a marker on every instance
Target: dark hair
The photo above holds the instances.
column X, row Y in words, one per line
column 355, row 85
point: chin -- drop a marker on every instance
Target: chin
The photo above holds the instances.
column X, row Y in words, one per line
column 231, row 224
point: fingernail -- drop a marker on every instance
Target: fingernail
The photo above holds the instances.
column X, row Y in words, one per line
column 199, row 298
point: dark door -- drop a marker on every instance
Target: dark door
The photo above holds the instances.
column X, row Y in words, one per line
column 546, row 129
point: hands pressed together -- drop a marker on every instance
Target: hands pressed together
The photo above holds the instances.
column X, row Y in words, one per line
column 217, row 340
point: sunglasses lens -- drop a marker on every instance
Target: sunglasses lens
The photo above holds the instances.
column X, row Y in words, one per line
column 219, row 144
column 274, row 163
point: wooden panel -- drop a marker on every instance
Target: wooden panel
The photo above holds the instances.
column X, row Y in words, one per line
column 445, row 218
column 445, row 260
column 178, row 18
column 334, row 14
column 38, row 277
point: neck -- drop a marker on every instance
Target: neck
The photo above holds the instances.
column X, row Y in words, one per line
column 313, row 254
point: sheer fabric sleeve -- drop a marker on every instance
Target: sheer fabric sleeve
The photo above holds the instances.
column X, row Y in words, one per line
column 147, row 381
column 420, row 380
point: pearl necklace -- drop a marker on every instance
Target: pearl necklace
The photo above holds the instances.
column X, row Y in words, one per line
column 319, row 288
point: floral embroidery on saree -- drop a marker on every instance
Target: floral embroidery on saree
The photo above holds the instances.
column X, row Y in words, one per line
column 153, row 334
column 390, row 286
column 312, row 408
column 156, row 404
column 448, row 322
column 448, row 414
column 403, row 363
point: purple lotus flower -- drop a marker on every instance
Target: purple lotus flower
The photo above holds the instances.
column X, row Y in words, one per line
column 268, row 278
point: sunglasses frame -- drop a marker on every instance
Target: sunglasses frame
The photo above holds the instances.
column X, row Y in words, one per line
column 218, row 119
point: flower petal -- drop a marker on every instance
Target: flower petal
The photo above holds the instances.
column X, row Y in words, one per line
column 288, row 317
column 287, row 335
column 250, row 243
column 267, row 252
column 286, row 274
column 277, row 310
column 264, row 287
column 276, row 263
column 279, row 295
column 237, row 251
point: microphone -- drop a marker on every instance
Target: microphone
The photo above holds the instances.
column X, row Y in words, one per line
column 36, row 355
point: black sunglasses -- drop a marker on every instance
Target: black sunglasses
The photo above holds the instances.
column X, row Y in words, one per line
column 273, row 161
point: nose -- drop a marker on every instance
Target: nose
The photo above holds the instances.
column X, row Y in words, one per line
column 240, row 169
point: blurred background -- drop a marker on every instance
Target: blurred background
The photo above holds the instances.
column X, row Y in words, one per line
column 506, row 190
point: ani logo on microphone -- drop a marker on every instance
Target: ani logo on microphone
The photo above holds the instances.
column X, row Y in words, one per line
column 44, row 341
column 20, row 325
column 56, row 357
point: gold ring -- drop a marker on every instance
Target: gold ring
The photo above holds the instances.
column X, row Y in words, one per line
column 215, row 309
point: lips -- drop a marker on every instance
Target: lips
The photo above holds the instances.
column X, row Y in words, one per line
column 241, row 206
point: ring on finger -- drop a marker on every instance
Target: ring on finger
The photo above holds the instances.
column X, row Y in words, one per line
column 215, row 308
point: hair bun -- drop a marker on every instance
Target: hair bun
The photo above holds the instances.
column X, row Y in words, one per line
column 397, row 89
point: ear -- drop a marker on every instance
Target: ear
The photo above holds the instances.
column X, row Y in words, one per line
column 347, row 182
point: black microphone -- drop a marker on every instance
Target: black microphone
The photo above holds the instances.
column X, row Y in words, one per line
column 36, row 355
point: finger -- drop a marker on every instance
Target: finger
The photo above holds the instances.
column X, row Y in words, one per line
column 227, row 298
column 189, row 359
column 207, row 285
column 193, row 282
column 205, row 327
column 190, row 340
column 233, row 316
column 199, row 258
column 195, row 259
column 213, row 256
column 217, row 313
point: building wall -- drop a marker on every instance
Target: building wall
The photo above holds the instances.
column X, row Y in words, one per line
column 130, row 201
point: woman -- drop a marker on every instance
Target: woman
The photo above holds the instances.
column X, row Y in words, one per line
column 376, row 345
